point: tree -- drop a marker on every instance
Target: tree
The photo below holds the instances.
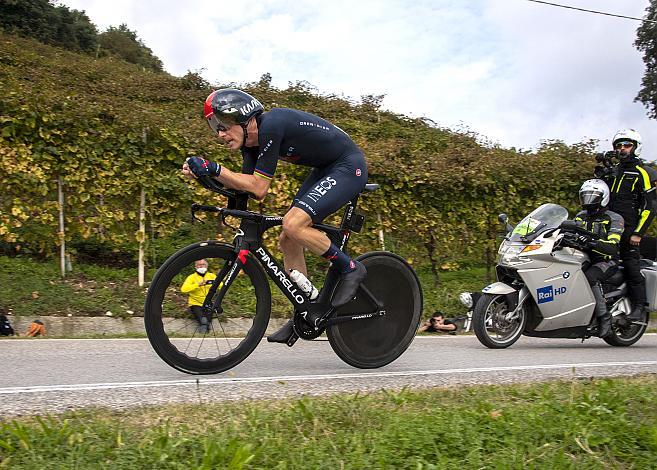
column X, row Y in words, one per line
column 50, row 24
column 125, row 44
column 646, row 42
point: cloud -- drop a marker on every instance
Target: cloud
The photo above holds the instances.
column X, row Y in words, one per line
column 514, row 71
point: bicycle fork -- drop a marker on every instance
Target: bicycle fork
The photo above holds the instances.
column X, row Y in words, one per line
column 224, row 279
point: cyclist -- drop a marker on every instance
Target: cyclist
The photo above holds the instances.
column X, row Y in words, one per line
column 633, row 197
column 339, row 172
column 602, row 245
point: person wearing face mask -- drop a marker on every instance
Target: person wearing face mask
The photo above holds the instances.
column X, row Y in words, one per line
column 197, row 286
column 633, row 196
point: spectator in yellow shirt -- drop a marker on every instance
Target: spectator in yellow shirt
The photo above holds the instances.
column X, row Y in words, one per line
column 197, row 286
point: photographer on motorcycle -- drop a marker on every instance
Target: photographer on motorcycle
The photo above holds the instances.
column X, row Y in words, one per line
column 633, row 196
column 598, row 233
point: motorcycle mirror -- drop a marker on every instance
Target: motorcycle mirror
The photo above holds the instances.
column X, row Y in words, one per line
column 503, row 218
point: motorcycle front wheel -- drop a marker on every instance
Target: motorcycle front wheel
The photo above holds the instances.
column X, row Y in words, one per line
column 492, row 323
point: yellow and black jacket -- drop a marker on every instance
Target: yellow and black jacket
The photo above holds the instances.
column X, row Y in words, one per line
column 633, row 194
column 196, row 293
column 606, row 228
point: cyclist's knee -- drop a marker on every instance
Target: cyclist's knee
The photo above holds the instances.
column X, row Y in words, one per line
column 294, row 222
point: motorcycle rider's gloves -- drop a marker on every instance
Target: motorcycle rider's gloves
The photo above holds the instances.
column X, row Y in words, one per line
column 202, row 167
column 577, row 241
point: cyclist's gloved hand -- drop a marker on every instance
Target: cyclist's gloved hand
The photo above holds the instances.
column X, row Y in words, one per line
column 202, row 167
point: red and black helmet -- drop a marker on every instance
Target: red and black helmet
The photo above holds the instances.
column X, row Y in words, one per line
column 228, row 106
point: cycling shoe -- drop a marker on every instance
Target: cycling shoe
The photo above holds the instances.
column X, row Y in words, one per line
column 348, row 285
column 282, row 334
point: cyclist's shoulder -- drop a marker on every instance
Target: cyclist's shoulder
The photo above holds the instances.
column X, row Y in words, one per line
column 278, row 118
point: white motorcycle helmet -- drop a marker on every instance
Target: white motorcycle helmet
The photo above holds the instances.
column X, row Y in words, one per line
column 631, row 135
column 594, row 195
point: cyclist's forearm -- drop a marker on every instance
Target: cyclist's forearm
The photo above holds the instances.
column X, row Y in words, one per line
column 253, row 184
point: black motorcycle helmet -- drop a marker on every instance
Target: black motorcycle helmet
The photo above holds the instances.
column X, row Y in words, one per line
column 228, row 106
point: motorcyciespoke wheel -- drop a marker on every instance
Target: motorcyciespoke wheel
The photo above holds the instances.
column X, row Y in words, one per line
column 626, row 334
column 375, row 342
column 493, row 323
column 207, row 342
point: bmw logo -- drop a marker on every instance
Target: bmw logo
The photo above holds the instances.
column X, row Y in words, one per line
column 566, row 274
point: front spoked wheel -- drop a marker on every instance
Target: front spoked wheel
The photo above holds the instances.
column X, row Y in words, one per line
column 375, row 342
column 216, row 340
column 493, row 323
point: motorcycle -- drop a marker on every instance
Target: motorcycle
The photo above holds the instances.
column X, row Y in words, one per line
column 541, row 289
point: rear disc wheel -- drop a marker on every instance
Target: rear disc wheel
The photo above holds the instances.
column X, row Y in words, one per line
column 375, row 342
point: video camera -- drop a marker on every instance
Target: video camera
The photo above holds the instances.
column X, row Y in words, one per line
column 606, row 160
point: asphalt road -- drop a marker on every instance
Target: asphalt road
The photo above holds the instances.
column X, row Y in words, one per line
column 56, row 375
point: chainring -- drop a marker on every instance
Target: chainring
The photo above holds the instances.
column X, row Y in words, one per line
column 303, row 328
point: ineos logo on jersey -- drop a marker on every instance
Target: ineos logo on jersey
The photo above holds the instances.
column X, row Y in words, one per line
column 322, row 188
column 247, row 108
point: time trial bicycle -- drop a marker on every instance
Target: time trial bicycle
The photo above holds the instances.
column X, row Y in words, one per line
column 370, row 331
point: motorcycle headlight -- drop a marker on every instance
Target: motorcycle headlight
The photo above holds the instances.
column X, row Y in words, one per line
column 466, row 299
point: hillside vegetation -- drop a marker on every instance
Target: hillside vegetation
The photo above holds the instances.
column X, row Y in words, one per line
column 109, row 129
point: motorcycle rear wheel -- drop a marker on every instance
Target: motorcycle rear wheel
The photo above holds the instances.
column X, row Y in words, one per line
column 490, row 326
column 628, row 335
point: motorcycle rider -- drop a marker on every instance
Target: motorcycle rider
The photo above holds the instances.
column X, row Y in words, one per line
column 599, row 236
column 633, row 196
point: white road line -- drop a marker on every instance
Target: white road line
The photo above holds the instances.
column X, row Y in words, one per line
column 298, row 378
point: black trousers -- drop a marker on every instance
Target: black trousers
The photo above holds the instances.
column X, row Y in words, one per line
column 197, row 311
column 630, row 255
column 600, row 271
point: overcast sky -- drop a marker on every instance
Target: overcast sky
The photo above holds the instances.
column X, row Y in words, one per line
column 513, row 71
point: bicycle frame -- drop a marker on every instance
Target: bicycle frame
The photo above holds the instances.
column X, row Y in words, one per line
column 249, row 240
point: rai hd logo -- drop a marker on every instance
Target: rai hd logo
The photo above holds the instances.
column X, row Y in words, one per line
column 548, row 293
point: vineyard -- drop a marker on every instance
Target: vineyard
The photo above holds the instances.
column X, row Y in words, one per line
column 105, row 133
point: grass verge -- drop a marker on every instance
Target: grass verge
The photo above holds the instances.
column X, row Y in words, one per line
column 603, row 423
column 34, row 288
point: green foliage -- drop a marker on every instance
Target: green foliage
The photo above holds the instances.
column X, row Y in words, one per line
column 110, row 129
column 125, row 44
column 577, row 424
column 49, row 23
column 35, row 287
column 646, row 42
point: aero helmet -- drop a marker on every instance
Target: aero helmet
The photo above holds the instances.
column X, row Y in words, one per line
column 594, row 194
column 228, row 106
column 628, row 135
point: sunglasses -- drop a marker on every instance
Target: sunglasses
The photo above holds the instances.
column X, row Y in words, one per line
column 219, row 125
column 625, row 145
